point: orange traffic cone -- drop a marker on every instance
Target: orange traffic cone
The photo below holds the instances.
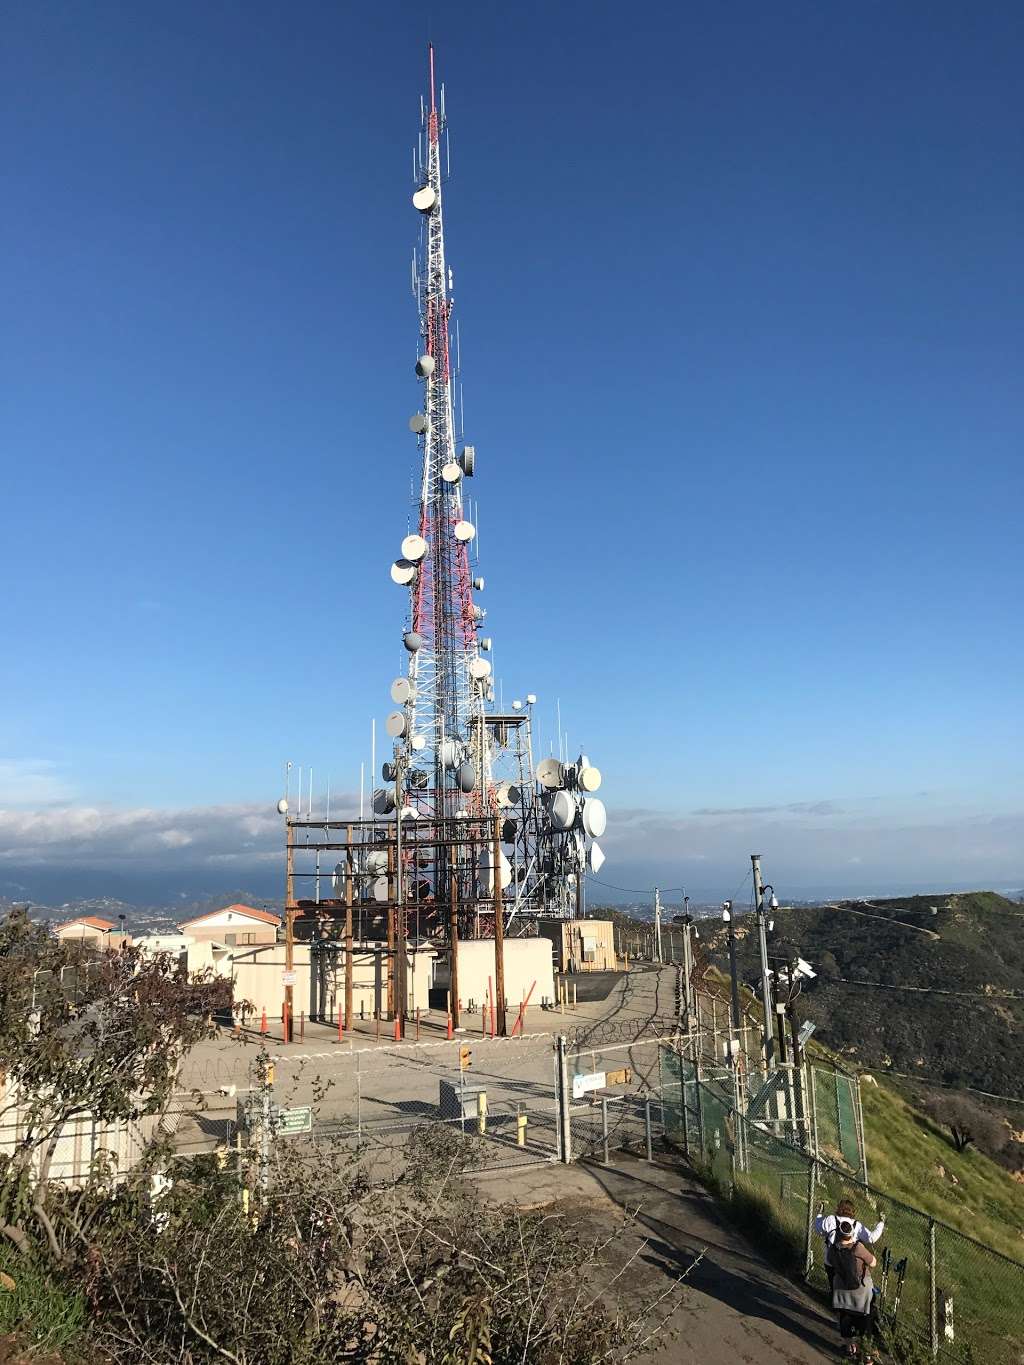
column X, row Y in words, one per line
column 263, row 1022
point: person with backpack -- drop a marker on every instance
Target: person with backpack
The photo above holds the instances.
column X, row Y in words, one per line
column 825, row 1226
column 852, row 1286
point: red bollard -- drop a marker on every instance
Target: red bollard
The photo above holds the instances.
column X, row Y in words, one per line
column 451, row 1031
column 263, row 1022
column 398, row 1028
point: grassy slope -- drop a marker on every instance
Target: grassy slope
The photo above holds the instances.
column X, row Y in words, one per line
column 905, row 1152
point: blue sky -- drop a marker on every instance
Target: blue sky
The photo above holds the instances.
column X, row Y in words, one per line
column 740, row 295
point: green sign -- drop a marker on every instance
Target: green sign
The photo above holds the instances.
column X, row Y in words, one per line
column 298, row 1120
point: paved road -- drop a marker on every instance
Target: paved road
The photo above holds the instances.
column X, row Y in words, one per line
column 732, row 1309
column 365, row 1082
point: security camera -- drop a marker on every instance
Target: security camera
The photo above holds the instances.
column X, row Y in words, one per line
column 804, row 969
column 775, row 903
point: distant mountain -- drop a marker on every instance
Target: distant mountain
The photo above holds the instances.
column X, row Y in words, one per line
column 139, row 918
column 963, row 953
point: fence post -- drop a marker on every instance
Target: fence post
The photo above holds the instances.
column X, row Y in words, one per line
column 809, row 1229
column 562, row 1092
column 647, row 1127
column 933, row 1321
column 862, row 1141
column 604, row 1127
column 813, row 1090
column 686, row 1116
column 359, row 1101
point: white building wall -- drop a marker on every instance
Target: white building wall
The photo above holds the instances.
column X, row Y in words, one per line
column 528, row 962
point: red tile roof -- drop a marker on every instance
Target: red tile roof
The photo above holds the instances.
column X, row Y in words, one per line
column 93, row 921
column 248, row 910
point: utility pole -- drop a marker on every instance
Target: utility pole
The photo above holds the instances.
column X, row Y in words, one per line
column 766, row 985
column 499, row 930
column 727, row 916
column 687, row 962
column 349, row 963
column 401, row 963
column 453, row 979
column 657, row 925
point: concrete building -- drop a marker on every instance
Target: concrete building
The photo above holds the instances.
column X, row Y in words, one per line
column 581, row 945
column 233, row 926
column 91, row 931
column 319, row 987
column 528, row 962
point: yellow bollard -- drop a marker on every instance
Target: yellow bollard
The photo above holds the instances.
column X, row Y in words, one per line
column 521, row 1130
column 481, row 1112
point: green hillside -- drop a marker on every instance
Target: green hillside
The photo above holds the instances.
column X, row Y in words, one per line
column 971, row 943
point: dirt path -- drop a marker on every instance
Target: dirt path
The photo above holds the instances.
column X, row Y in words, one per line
column 732, row 1308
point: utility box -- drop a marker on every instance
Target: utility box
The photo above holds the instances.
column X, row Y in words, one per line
column 458, row 1101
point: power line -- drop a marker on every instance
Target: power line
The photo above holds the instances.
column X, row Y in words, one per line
column 946, row 1085
column 927, row 990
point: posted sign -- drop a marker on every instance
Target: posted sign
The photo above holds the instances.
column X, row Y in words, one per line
column 288, row 978
column 298, row 1120
column 587, row 1080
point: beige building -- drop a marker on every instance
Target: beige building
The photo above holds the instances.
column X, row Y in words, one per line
column 318, row 990
column 92, row 932
column 528, row 963
column 233, row 926
column 581, row 945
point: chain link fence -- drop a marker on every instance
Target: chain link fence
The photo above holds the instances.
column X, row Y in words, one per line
column 958, row 1299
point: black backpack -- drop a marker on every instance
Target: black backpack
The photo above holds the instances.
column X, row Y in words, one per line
column 849, row 1269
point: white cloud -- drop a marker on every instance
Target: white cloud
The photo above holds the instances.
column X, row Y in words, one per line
column 26, row 782
column 108, row 836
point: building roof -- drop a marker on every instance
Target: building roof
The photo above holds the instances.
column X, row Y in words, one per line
column 93, row 921
column 249, row 911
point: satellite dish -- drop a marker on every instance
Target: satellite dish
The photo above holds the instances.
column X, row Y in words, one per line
column 507, row 794
column 418, row 424
column 549, row 773
column 425, row 366
column 509, row 830
column 595, row 817
column 402, row 572
column 478, row 613
column 478, row 584
column 424, row 199
column 531, row 698
column 380, row 890
column 464, row 531
column 467, row 459
column 486, row 643
column 377, row 862
column 417, row 779
column 412, row 641
column 451, row 472
column 517, row 705
column 388, row 772
column 395, row 724
column 487, row 875
column 418, row 742
column 409, row 813
column 414, row 548
column 383, row 800
column 402, row 691
column 450, row 753
column 589, row 778
column 563, row 810
column 466, row 777
column 595, row 858
column 282, row 807
column 479, row 669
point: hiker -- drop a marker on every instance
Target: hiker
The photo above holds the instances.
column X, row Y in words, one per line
column 825, row 1226
column 852, row 1287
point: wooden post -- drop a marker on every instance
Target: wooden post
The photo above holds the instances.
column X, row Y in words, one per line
column 456, row 1003
column 389, row 975
column 349, row 958
column 499, row 932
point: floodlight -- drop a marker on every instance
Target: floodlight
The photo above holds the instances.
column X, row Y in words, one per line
column 806, row 1029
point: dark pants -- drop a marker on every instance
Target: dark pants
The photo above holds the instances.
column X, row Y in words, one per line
column 853, row 1325
column 830, row 1271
